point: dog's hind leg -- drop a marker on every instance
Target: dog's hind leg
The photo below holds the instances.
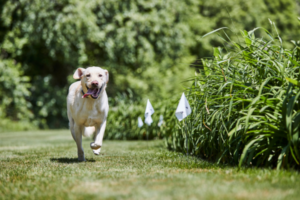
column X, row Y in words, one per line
column 78, row 130
column 96, row 146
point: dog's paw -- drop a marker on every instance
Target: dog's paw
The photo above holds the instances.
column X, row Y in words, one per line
column 97, row 151
column 95, row 146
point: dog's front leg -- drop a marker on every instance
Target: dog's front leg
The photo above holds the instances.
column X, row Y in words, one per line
column 78, row 136
column 96, row 146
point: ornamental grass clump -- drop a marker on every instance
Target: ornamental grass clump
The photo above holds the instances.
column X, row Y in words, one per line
column 246, row 109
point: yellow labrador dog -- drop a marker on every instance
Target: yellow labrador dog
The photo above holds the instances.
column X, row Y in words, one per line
column 87, row 105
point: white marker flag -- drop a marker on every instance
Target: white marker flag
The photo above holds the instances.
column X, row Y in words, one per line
column 161, row 120
column 140, row 122
column 148, row 112
column 183, row 108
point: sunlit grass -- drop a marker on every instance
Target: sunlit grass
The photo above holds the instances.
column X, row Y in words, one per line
column 43, row 165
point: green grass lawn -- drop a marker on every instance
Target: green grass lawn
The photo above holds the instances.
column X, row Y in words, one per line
column 43, row 165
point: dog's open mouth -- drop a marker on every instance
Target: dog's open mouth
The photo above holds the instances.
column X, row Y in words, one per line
column 94, row 92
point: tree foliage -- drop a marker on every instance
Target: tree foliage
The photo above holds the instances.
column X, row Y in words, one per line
column 147, row 46
column 240, row 15
column 14, row 90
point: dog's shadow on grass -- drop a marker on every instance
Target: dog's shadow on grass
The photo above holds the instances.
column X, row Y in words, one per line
column 70, row 160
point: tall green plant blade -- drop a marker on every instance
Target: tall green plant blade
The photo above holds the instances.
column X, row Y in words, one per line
column 245, row 150
column 283, row 153
column 214, row 31
column 246, row 110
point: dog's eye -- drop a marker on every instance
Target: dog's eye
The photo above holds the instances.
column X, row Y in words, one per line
column 88, row 75
column 100, row 75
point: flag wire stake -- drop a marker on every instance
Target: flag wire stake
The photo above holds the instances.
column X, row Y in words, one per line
column 186, row 140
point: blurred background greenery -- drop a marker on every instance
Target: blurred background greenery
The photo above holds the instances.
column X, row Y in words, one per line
column 149, row 47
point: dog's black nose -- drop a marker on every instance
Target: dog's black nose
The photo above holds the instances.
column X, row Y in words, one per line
column 95, row 83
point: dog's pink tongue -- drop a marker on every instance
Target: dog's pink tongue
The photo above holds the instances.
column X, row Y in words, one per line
column 89, row 92
column 85, row 95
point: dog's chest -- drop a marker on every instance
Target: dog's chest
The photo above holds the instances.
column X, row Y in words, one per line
column 91, row 121
column 89, row 114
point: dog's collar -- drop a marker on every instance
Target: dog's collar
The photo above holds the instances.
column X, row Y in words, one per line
column 90, row 96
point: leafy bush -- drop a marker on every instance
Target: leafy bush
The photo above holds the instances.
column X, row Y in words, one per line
column 145, row 45
column 123, row 118
column 243, row 15
column 50, row 107
column 244, row 109
column 14, row 89
column 139, row 43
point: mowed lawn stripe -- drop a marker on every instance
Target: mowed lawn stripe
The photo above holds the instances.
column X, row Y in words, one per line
column 43, row 164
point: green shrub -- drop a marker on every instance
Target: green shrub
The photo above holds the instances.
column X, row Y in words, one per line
column 141, row 43
column 123, row 118
column 243, row 15
column 50, row 107
column 244, row 109
column 14, row 89
column 145, row 45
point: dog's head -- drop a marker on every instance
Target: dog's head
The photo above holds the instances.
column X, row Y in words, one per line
column 93, row 80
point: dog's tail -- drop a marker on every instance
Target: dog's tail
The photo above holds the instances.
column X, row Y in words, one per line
column 88, row 131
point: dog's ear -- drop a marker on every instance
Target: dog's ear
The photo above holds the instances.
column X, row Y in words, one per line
column 78, row 73
column 107, row 75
